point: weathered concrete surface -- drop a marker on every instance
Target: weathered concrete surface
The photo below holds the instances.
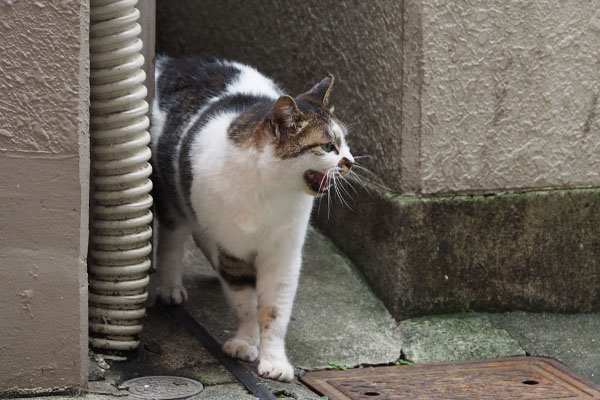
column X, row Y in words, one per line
column 447, row 96
column 297, row 43
column 168, row 349
column 455, row 338
column 534, row 251
column 336, row 317
column 44, row 184
column 509, row 98
column 573, row 339
column 224, row 392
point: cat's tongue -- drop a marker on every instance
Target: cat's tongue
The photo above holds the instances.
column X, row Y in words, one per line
column 316, row 181
column 320, row 179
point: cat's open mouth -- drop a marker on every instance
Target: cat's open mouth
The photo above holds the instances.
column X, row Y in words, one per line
column 316, row 181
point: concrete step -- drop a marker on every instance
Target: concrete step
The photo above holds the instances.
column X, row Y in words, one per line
column 535, row 251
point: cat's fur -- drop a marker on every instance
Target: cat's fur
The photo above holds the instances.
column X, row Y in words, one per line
column 237, row 164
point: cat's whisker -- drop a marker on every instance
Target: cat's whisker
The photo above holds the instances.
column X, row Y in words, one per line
column 320, row 198
column 362, row 182
column 345, row 180
column 319, row 207
column 323, row 192
column 339, row 193
column 363, row 156
column 327, row 175
column 328, row 200
column 368, row 171
column 357, row 165
column 357, row 178
column 338, row 176
column 321, row 185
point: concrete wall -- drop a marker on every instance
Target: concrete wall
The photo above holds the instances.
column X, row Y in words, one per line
column 298, row 43
column 509, row 98
column 447, row 96
column 44, row 159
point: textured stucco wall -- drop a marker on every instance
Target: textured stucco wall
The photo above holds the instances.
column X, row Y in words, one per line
column 44, row 159
column 510, row 95
column 447, row 96
column 297, row 43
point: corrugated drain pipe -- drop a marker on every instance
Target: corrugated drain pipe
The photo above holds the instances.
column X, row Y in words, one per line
column 121, row 217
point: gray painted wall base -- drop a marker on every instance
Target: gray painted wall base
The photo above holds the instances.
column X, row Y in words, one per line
column 536, row 251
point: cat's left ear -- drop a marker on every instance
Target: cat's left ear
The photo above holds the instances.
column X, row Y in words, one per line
column 320, row 92
column 285, row 117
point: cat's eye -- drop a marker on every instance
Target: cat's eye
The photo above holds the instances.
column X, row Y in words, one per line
column 328, row 147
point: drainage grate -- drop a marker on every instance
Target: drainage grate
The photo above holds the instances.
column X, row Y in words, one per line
column 510, row 378
column 162, row 387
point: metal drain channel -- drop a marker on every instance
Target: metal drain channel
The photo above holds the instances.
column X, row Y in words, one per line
column 210, row 343
column 162, row 387
column 507, row 379
column 121, row 217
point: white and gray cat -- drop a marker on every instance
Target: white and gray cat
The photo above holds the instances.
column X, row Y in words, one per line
column 237, row 164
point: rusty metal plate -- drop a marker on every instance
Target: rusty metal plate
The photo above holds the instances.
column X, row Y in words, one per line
column 508, row 378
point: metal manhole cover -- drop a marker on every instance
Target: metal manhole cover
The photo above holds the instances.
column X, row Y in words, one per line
column 510, row 378
column 162, row 387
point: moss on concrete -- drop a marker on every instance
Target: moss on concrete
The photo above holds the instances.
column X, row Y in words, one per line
column 537, row 251
column 454, row 338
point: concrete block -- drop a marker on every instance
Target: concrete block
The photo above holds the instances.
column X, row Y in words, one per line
column 537, row 251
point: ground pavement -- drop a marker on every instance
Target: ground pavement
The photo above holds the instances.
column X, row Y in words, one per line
column 338, row 320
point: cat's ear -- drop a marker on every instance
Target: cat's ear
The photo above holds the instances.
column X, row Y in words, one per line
column 285, row 116
column 320, row 92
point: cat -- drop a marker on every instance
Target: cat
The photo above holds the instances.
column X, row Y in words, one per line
column 237, row 164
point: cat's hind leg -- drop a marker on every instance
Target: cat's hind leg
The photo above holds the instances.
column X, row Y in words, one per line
column 169, row 262
column 245, row 343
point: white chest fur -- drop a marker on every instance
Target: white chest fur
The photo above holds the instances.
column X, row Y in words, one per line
column 239, row 194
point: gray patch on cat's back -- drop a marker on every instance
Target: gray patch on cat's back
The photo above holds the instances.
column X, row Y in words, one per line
column 184, row 86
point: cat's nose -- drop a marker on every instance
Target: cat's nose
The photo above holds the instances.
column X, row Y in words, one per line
column 346, row 164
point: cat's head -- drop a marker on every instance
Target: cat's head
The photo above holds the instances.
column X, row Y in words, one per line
column 309, row 139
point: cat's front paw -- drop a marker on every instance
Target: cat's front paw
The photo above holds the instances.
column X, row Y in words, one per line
column 172, row 295
column 277, row 369
column 241, row 349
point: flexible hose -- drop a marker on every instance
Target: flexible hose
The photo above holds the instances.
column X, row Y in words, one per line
column 121, row 201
